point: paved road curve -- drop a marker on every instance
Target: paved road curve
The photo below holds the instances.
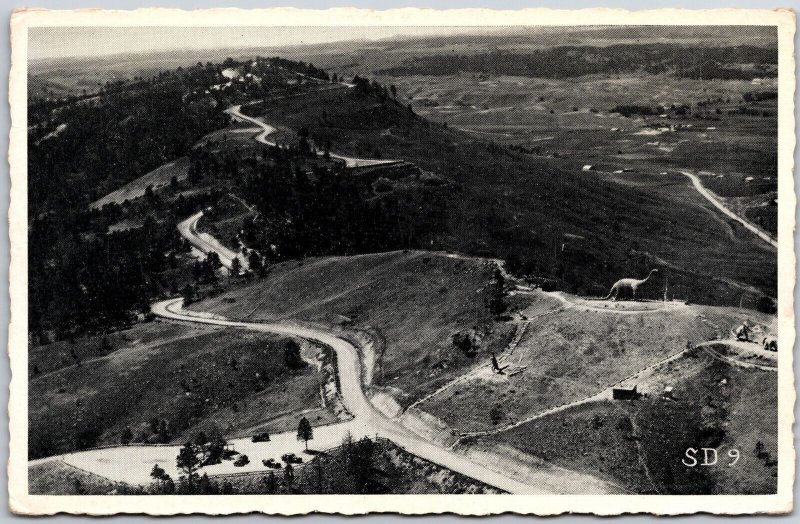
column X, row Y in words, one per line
column 708, row 195
column 206, row 243
column 373, row 421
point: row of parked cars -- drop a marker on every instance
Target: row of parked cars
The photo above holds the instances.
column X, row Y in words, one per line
column 288, row 458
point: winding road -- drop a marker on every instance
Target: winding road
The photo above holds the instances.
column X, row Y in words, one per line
column 236, row 113
column 711, row 197
column 206, row 243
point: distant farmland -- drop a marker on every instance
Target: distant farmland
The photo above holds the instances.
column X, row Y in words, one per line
column 157, row 178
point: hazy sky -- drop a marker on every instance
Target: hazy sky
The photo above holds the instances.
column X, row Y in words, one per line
column 60, row 42
column 54, row 42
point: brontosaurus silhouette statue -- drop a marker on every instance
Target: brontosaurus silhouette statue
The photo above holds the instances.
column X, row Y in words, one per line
column 625, row 286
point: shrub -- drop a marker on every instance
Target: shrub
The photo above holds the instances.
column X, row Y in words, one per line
column 496, row 414
column 767, row 305
column 465, row 341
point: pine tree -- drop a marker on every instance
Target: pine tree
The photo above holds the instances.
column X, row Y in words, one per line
column 291, row 355
column 159, row 475
column 288, row 477
column 304, row 431
column 188, row 462
column 271, row 483
column 254, row 261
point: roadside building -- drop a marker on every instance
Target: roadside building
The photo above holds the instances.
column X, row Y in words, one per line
column 625, row 393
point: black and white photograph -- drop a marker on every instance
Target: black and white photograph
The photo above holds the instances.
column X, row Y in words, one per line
column 484, row 260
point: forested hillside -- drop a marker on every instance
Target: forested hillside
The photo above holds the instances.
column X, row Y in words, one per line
column 90, row 269
column 81, row 278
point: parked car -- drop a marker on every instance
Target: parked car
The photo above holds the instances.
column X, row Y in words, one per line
column 261, row 437
column 241, row 461
column 291, row 458
column 270, row 463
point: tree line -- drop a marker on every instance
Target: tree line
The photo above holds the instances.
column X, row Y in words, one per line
column 571, row 61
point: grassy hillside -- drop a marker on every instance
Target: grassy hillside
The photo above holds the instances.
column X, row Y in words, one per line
column 156, row 179
column 574, row 354
column 58, row 478
column 165, row 382
column 642, row 443
column 413, row 301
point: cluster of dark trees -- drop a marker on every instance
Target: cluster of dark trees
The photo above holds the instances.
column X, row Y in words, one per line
column 633, row 109
column 84, row 282
column 325, row 210
column 301, row 67
column 105, row 145
column 381, row 91
column 571, row 61
column 758, row 96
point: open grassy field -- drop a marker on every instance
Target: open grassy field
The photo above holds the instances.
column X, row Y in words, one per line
column 412, row 301
column 731, row 141
column 642, row 443
column 575, row 119
column 572, row 354
column 166, row 382
column 47, row 358
column 156, row 179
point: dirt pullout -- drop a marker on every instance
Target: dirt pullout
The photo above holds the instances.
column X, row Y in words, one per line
column 393, row 471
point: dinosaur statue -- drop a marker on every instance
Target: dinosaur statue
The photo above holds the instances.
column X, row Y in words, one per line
column 627, row 286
